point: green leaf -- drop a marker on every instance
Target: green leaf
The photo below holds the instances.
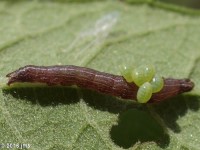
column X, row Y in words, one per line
column 99, row 35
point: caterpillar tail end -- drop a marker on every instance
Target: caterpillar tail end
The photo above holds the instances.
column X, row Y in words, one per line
column 186, row 85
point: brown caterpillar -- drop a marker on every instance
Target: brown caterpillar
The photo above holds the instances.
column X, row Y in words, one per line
column 106, row 83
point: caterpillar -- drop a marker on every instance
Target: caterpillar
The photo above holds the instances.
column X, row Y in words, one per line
column 102, row 82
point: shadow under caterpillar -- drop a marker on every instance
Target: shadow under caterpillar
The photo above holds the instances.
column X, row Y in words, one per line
column 105, row 83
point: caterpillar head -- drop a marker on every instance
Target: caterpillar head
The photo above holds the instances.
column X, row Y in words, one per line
column 20, row 75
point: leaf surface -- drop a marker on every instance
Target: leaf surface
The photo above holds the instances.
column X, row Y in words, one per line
column 99, row 35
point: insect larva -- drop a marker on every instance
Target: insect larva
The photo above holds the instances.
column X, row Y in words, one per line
column 91, row 79
column 126, row 73
column 143, row 74
column 144, row 92
column 157, row 83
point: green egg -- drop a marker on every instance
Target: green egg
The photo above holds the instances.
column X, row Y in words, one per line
column 157, row 83
column 126, row 73
column 144, row 93
column 143, row 74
